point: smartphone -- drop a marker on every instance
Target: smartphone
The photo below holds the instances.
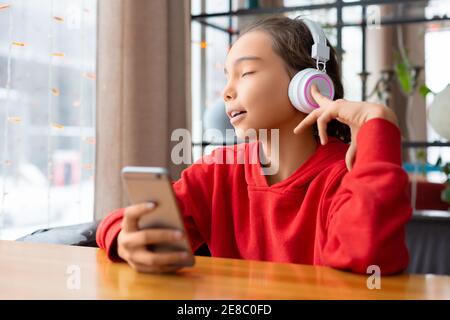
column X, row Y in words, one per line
column 145, row 184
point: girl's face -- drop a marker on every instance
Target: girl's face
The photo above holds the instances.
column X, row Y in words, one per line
column 257, row 85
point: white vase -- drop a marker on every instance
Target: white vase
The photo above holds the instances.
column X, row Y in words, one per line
column 439, row 113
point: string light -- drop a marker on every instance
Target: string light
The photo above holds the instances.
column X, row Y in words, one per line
column 54, row 89
column 202, row 44
column 88, row 166
column 6, row 161
column 57, row 126
column 14, row 120
column 89, row 75
column 89, row 140
column 55, row 92
column 19, row 44
column 80, row 125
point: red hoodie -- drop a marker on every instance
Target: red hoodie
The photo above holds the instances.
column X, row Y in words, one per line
column 321, row 215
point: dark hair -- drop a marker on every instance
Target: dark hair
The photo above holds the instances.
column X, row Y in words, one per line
column 292, row 41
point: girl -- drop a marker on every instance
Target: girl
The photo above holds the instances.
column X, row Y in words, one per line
column 328, row 204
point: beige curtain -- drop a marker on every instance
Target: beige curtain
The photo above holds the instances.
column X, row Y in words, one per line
column 143, row 90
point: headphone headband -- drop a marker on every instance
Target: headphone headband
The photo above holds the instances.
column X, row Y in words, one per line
column 319, row 51
column 299, row 90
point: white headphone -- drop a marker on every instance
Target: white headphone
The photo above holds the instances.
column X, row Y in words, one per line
column 300, row 85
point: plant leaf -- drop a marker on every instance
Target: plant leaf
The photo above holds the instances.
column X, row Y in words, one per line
column 404, row 76
column 424, row 90
column 445, row 195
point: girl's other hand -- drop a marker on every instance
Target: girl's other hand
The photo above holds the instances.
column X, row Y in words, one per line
column 353, row 114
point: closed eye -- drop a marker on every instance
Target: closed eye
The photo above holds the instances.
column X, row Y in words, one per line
column 247, row 73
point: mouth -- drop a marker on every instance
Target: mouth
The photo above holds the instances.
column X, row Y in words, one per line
column 236, row 115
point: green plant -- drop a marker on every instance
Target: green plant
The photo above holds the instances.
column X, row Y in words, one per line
column 445, row 168
column 421, row 159
column 407, row 75
column 445, row 195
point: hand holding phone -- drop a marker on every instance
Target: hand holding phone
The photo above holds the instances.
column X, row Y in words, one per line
column 152, row 238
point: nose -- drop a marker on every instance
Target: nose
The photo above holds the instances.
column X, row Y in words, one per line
column 228, row 93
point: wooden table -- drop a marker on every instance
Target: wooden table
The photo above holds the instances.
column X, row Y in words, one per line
column 43, row 271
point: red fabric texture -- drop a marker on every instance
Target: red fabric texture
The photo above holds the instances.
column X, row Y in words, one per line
column 321, row 215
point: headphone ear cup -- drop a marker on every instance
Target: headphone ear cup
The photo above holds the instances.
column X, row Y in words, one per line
column 294, row 86
column 300, row 89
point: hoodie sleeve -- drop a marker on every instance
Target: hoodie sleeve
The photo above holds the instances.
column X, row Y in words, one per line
column 193, row 192
column 368, row 208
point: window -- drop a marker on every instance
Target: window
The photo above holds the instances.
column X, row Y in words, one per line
column 210, row 44
column 47, row 99
column 360, row 79
column 437, row 73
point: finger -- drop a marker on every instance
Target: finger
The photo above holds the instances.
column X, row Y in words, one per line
column 330, row 113
column 321, row 100
column 134, row 213
column 159, row 260
column 350, row 156
column 322, row 125
column 150, row 236
column 308, row 121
